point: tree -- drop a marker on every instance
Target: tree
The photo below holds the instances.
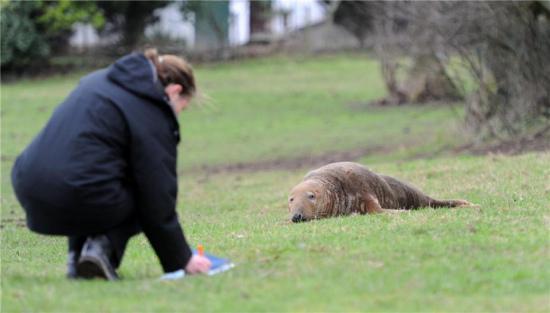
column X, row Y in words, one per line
column 356, row 17
column 504, row 45
column 426, row 78
column 260, row 15
column 31, row 30
column 59, row 16
column 506, row 49
column 129, row 19
column 22, row 43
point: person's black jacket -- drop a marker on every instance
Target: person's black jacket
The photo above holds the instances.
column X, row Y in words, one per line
column 110, row 143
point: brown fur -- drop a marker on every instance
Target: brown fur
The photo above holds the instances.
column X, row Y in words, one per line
column 345, row 187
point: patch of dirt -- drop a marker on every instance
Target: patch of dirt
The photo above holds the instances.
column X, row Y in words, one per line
column 306, row 161
column 7, row 158
column 19, row 222
column 380, row 104
column 539, row 141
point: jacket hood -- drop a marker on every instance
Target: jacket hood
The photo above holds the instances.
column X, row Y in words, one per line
column 136, row 73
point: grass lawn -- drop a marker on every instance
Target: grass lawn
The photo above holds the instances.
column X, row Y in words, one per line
column 494, row 258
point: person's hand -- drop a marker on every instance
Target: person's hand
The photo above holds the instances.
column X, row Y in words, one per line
column 198, row 265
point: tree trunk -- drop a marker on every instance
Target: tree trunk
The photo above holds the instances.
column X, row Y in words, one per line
column 425, row 81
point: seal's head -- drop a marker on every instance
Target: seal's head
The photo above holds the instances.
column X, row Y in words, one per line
column 306, row 201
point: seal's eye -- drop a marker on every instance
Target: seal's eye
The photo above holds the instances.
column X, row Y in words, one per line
column 311, row 196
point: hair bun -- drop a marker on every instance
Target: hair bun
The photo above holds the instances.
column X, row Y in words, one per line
column 172, row 70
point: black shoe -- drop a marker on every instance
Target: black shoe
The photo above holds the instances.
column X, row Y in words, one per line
column 72, row 260
column 94, row 261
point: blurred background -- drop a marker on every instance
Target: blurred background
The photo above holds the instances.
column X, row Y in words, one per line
column 490, row 56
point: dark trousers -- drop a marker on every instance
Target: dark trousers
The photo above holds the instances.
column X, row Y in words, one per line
column 118, row 237
column 76, row 220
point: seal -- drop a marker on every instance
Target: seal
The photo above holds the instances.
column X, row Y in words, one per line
column 344, row 188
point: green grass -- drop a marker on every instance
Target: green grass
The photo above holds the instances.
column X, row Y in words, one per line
column 262, row 110
column 494, row 258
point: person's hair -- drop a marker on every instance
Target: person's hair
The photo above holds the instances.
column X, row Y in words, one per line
column 172, row 69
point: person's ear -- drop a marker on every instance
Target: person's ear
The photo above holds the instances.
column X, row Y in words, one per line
column 173, row 89
column 177, row 89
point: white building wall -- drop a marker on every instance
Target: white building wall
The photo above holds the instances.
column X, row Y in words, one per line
column 172, row 24
column 239, row 24
column 301, row 13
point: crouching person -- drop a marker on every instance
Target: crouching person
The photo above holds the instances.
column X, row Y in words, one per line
column 103, row 169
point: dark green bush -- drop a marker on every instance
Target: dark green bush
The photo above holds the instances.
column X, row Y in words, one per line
column 33, row 30
column 22, row 41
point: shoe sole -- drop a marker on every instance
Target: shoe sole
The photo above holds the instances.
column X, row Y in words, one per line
column 89, row 268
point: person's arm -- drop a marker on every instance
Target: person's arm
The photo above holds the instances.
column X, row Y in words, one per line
column 153, row 164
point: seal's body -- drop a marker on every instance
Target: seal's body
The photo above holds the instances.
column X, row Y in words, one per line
column 345, row 187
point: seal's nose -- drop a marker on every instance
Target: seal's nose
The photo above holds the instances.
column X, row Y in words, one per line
column 298, row 218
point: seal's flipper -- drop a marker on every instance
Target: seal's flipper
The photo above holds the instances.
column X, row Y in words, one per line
column 373, row 205
column 452, row 204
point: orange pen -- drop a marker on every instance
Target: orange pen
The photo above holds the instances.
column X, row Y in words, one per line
column 200, row 249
